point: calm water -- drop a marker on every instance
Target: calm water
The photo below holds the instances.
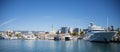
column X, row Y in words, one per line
column 56, row 46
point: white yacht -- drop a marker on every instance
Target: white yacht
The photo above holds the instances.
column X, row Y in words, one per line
column 67, row 37
column 96, row 33
column 57, row 37
column 4, row 36
column 29, row 36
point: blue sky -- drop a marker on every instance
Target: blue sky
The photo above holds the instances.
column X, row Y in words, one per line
column 41, row 14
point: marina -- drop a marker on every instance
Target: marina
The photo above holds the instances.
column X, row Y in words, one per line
column 93, row 34
column 59, row 26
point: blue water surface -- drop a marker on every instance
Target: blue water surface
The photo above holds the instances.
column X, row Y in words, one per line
column 56, row 46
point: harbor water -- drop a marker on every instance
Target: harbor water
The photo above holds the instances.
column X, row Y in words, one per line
column 57, row 46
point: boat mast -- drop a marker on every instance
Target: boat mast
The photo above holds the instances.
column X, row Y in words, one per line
column 107, row 23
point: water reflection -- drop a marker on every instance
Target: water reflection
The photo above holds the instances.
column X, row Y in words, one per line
column 29, row 44
column 56, row 46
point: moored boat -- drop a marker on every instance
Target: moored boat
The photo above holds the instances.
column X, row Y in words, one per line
column 96, row 33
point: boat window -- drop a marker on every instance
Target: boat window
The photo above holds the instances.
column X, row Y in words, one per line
column 97, row 30
column 89, row 30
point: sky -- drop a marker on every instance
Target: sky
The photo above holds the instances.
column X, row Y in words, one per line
column 39, row 15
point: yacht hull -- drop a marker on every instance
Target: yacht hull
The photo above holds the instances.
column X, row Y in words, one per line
column 100, row 36
column 67, row 37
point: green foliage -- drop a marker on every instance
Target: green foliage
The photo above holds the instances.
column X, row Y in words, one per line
column 57, row 32
column 69, row 32
column 10, row 35
column 81, row 32
column 18, row 35
column 75, row 34
column 118, row 33
column 35, row 35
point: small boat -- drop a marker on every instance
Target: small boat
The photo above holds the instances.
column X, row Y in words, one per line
column 29, row 36
column 67, row 37
column 2, row 37
column 56, row 37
